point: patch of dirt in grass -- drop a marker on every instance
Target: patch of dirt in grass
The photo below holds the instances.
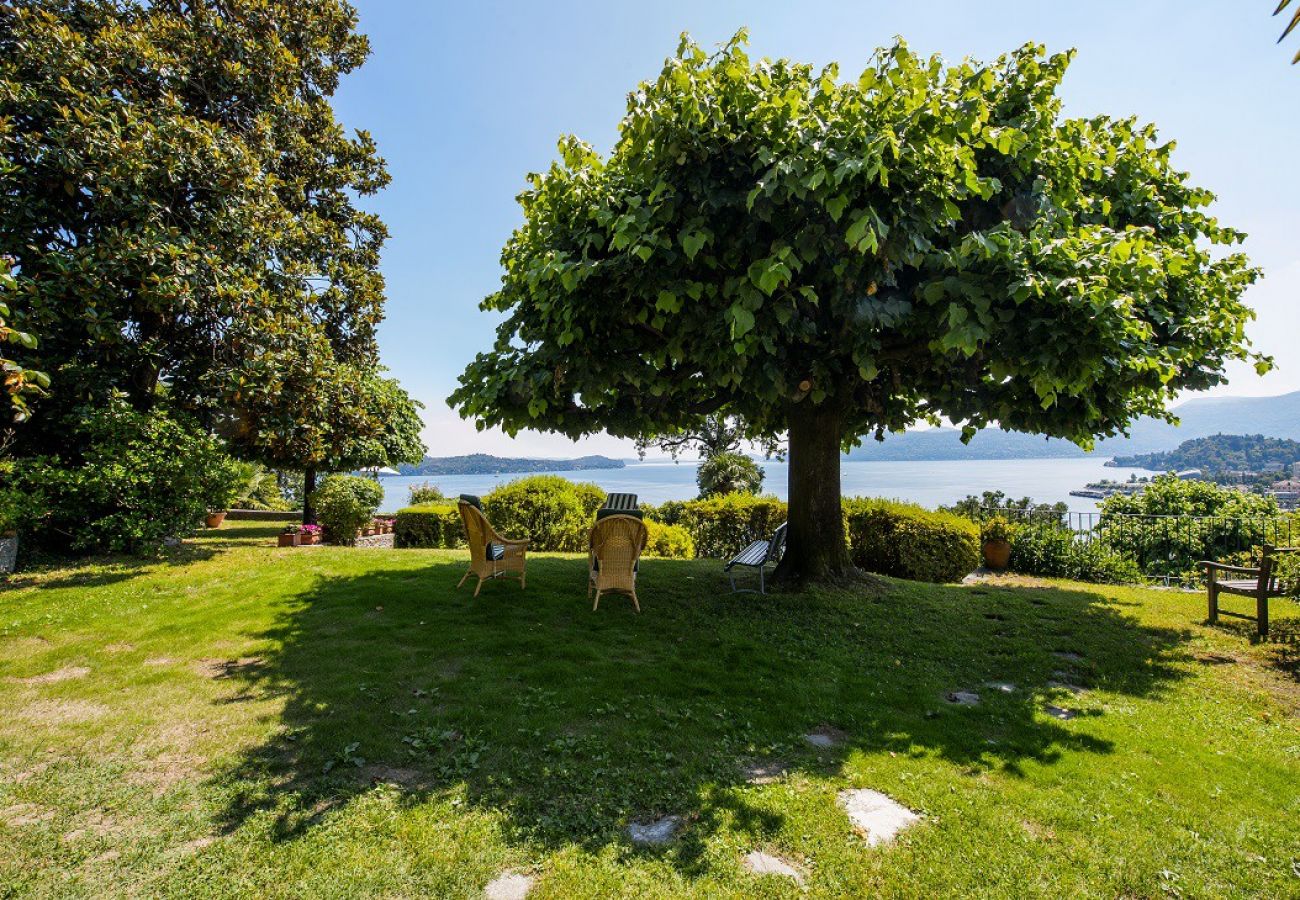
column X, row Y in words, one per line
column 763, row 771
column 118, row 648
column 1038, row 832
column 20, row 775
column 23, row 646
column 67, row 673
column 94, row 824
column 195, row 845
column 217, row 669
column 155, row 661
column 381, row 774
column 22, row 815
column 61, row 712
column 164, row 771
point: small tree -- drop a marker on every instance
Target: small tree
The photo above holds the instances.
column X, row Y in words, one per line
column 728, row 473
column 831, row 259
column 712, row 435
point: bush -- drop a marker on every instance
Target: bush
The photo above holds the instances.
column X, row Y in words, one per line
column 345, row 503
column 141, row 478
column 908, row 541
column 551, row 512
column 670, row 541
column 429, row 525
column 261, row 490
column 670, row 512
column 1288, row 573
column 1052, row 551
column 728, row 473
column 425, row 493
column 722, row 526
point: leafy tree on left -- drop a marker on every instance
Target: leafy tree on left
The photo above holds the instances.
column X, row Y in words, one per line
column 174, row 181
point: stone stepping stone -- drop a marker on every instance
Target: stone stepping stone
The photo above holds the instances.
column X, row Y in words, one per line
column 1066, row 686
column 764, row 771
column 508, row 886
column 1067, row 655
column 962, row 698
column 1002, row 687
column 654, row 834
column 757, row 862
column 875, row 816
column 1060, row 712
column 825, row 737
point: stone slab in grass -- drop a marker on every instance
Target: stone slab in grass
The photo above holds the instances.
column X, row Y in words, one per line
column 1002, row 687
column 1067, row 655
column 508, row 886
column 757, row 862
column 1066, row 686
column 875, row 816
column 654, row 834
column 962, row 698
column 1060, row 712
column 825, row 737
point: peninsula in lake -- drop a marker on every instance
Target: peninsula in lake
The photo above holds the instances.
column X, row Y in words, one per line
column 484, row 464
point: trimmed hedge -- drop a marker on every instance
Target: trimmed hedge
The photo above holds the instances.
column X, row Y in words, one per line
column 429, row 525
column 909, row 541
column 669, row 541
column 551, row 512
column 721, row 526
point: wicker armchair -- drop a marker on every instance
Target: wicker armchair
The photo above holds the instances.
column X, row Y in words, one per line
column 616, row 543
column 490, row 554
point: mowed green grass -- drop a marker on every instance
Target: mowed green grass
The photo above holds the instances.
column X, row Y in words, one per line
column 243, row 720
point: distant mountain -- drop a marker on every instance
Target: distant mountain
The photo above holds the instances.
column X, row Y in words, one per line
column 483, row 464
column 1220, row 453
column 1275, row 417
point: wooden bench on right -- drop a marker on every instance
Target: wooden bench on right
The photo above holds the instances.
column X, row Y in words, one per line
column 1259, row 582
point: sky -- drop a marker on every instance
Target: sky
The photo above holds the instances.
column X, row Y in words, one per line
column 464, row 99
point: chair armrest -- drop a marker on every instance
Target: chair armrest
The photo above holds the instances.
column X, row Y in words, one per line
column 1220, row 567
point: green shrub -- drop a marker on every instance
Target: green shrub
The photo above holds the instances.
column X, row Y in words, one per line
column 909, row 541
column 429, row 525
column 551, row 512
column 1288, row 573
column 425, row 493
column 671, row 541
column 722, row 526
column 1053, row 551
column 728, row 473
column 669, row 512
column 345, row 503
column 142, row 477
column 19, row 506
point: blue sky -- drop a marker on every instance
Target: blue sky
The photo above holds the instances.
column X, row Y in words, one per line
column 464, row 99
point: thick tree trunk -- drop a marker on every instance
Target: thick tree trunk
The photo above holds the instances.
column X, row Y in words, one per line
column 308, row 487
column 816, row 549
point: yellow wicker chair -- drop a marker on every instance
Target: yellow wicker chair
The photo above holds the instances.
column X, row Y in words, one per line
column 615, row 546
column 490, row 554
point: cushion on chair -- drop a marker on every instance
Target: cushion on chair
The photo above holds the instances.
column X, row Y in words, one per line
column 496, row 552
column 472, row 501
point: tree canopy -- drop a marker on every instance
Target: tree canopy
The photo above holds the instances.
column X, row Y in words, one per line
column 847, row 257
column 175, row 192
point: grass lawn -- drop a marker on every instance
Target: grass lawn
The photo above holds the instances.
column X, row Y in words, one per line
column 320, row 722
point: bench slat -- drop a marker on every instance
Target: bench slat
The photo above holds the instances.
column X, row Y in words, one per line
column 753, row 555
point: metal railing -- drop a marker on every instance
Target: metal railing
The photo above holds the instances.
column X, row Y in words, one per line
column 1165, row 547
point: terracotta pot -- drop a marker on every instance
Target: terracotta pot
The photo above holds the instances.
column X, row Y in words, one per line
column 215, row 519
column 997, row 554
column 306, row 540
column 368, row 532
column 289, row 540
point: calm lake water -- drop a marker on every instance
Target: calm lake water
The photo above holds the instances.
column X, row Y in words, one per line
column 929, row 483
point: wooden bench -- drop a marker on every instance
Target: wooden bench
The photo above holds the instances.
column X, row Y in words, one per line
column 756, row 556
column 1258, row 582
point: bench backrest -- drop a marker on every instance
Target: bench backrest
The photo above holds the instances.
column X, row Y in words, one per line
column 776, row 546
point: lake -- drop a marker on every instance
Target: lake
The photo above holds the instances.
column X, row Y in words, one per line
column 929, row 483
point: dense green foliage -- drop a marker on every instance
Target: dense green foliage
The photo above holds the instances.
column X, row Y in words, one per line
column 728, row 473
column 429, row 525
column 833, row 258
column 669, row 541
column 722, row 526
column 908, row 541
column 426, row 492
column 17, row 385
column 1173, row 524
column 346, row 503
column 551, row 512
column 709, row 436
column 1221, row 453
column 179, row 203
column 1050, row 550
column 137, row 480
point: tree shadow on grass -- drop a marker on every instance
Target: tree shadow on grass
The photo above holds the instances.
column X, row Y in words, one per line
column 571, row 723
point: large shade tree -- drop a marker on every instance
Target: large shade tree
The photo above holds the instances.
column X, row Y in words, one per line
column 172, row 182
column 831, row 259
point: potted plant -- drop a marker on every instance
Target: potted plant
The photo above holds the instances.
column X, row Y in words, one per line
column 995, row 534
column 308, row 535
column 215, row 519
column 291, row 536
